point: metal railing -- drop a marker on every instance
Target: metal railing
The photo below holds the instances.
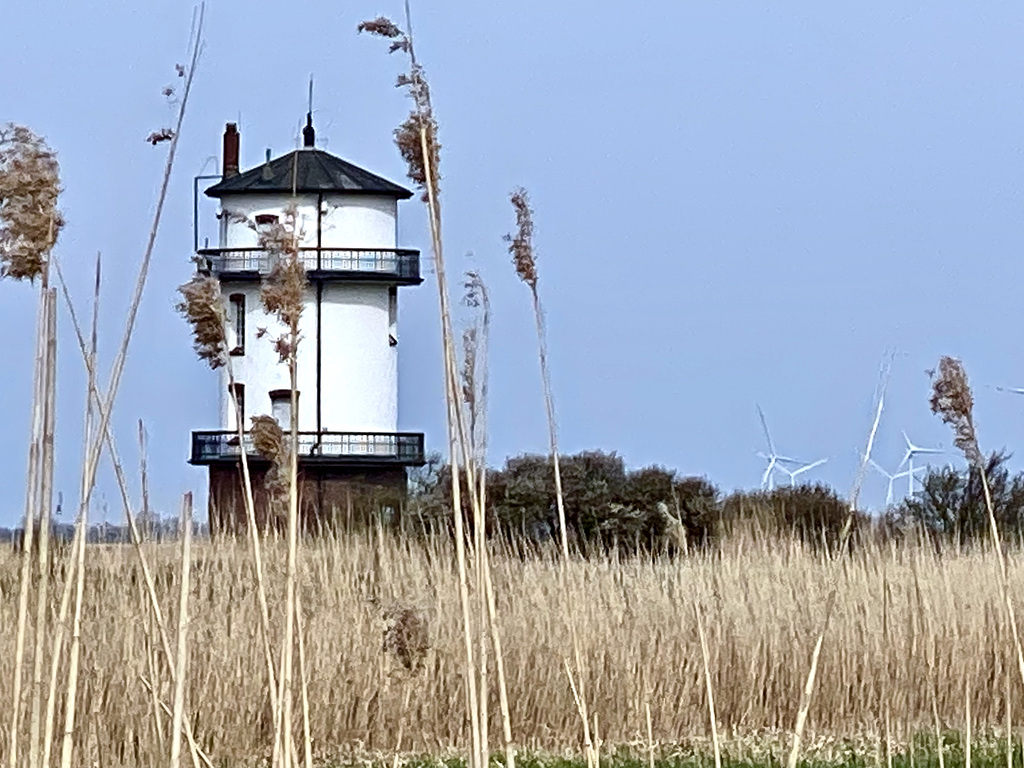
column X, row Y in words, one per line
column 358, row 447
column 397, row 263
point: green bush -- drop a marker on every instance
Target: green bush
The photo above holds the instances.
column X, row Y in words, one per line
column 605, row 504
column 950, row 507
column 814, row 513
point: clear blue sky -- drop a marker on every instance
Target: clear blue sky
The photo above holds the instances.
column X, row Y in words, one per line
column 736, row 203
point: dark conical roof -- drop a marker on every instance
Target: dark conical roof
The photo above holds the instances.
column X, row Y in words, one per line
column 308, row 170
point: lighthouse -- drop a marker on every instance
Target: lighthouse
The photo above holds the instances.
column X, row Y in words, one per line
column 351, row 453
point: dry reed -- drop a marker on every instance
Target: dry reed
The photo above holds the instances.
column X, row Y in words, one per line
column 417, row 141
column 953, row 401
column 761, row 603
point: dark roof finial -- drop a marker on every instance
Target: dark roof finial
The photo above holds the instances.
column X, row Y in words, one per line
column 309, row 133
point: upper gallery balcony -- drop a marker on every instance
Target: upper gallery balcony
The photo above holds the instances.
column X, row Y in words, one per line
column 397, row 266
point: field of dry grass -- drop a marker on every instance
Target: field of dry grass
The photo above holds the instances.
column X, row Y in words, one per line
column 908, row 627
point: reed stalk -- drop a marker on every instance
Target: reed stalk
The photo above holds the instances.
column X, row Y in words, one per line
column 1009, row 721
column 307, row 738
column 706, row 656
column 524, row 259
column 43, row 518
column 71, row 580
column 202, row 307
column 417, row 141
column 808, row 691
column 650, row 735
column 104, row 423
column 293, row 548
column 967, row 725
column 181, row 656
column 31, row 491
column 91, row 460
column 152, row 669
column 57, row 648
column 74, row 654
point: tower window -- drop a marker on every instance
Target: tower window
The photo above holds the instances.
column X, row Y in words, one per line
column 393, row 315
column 237, row 393
column 281, row 407
column 236, row 324
column 264, row 221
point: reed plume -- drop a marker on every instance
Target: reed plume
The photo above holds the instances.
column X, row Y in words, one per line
column 418, row 144
column 953, row 401
column 419, row 129
column 29, row 218
column 283, row 288
column 202, row 307
column 524, row 258
column 520, row 247
column 268, row 438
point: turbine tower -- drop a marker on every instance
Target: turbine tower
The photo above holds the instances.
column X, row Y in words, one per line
column 892, row 477
column 908, row 460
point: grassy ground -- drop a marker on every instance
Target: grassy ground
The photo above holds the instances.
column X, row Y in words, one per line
column 763, row 751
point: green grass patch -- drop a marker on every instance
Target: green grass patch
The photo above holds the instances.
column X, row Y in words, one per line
column 987, row 751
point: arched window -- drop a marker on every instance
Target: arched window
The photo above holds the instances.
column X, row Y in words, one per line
column 393, row 315
column 264, row 221
column 281, row 407
column 236, row 323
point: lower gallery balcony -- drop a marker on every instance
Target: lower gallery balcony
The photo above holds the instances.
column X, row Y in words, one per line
column 399, row 449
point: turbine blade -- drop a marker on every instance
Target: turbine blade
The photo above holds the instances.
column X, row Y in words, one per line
column 878, row 468
column 906, row 457
column 764, row 426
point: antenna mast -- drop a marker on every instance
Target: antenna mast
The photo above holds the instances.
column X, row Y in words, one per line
column 308, row 134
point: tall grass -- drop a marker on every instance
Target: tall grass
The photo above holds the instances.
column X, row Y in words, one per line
column 761, row 601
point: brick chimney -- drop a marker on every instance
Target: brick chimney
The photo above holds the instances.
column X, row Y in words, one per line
column 231, row 137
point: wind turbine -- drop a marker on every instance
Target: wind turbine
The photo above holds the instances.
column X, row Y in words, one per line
column 1011, row 390
column 774, row 459
column 908, row 459
column 800, row 470
column 892, row 478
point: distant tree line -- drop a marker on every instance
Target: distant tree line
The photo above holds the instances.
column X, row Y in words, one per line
column 610, row 506
column 151, row 527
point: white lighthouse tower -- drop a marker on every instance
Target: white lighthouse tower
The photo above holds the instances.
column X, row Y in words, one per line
column 347, row 366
